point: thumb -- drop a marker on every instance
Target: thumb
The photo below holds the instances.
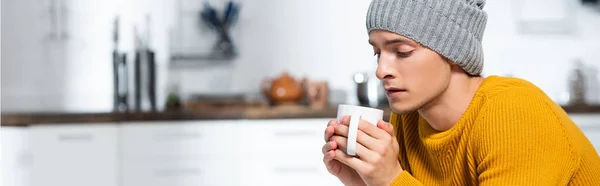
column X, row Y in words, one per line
column 389, row 128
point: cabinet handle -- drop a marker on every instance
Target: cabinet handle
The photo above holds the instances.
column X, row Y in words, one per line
column 590, row 127
column 294, row 170
column 75, row 137
column 295, row 133
column 63, row 9
column 176, row 136
column 177, row 172
column 52, row 10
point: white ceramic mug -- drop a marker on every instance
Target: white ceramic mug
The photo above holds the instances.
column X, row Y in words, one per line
column 356, row 113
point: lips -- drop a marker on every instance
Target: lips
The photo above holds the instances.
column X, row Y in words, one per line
column 392, row 91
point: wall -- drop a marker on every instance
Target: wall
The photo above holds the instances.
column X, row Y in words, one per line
column 74, row 74
column 308, row 38
column 321, row 40
column 543, row 59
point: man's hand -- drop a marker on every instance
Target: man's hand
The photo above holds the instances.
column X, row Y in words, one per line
column 343, row 172
column 377, row 151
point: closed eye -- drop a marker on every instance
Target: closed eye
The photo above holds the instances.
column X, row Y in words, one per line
column 403, row 54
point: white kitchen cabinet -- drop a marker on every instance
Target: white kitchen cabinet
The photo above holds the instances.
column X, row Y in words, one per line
column 182, row 170
column 74, row 155
column 593, row 134
column 54, row 50
column 555, row 17
column 590, row 125
column 286, row 170
column 181, row 153
column 15, row 157
column 83, row 46
column 289, row 137
column 144, row 139
column 29, row 60
column 224, row 152
column 284, row 152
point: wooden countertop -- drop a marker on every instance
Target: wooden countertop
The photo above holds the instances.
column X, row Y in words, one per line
column 26, row 119
column 295, row 112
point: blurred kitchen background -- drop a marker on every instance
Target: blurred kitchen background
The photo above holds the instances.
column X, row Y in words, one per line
column 220, row 92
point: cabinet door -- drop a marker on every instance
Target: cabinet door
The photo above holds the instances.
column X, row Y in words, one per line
column 291, row 137
column 590, row 125
column 74, row 155
column 284, row 152
column 290, row 171
column 29, row 60
column 181, row 153
column 182, row 170
column 593, row 134
column 147, row 139
column 14, row 159
column 86, row 35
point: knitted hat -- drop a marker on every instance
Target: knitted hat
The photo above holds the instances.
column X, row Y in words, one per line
column 452, row 28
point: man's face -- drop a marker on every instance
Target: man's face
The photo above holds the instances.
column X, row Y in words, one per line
column 412, row 74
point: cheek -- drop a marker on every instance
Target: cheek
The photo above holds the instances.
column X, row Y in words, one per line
column 422, row 76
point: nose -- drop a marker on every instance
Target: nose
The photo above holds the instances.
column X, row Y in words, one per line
column 385, row 67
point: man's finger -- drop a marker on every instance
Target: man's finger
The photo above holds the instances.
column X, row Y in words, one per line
column 340, row 142
column 345, row 120
column 330, row 165
column 371, row 130
column 331, row 145
column 332, row 122
column 341, row 130
column 365, row 140
column 388, row 127
column 360, row 149
column 362, row 137
column 352, row 162
column 329, row 129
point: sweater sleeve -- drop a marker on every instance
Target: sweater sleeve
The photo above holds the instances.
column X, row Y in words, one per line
column 405, row 179
column 520, row 140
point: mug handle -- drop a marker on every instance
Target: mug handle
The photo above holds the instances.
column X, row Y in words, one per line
column 352, row 133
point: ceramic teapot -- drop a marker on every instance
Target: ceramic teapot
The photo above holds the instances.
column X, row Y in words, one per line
column 284, row 89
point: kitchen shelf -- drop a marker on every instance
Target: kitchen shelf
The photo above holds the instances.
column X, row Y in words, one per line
column 198, row 60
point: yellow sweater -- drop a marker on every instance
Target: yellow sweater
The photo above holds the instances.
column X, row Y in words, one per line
column 511, row 134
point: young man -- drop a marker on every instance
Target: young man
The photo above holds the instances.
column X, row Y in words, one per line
column 450, row 125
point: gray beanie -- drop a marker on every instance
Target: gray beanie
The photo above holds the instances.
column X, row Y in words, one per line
column 452, row 28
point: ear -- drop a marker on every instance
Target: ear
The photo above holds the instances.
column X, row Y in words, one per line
column 451, row 63
column 456, row 68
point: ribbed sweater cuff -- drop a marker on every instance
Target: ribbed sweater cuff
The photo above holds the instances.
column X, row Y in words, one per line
column 405, row 179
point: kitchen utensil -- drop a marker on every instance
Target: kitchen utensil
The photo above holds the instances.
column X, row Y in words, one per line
column 356, row 113
column 318, row 94
column 120, row 80
column 231, row 14
column 283, row 90
column 369, row 90
column 586, row 88
column 210, row 17
column 144, row 73
column 229, row 101
column 120, row 74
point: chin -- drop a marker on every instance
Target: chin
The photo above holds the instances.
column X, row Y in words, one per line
column 399, row 107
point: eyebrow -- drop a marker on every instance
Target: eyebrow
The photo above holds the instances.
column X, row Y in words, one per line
column 393, row 41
